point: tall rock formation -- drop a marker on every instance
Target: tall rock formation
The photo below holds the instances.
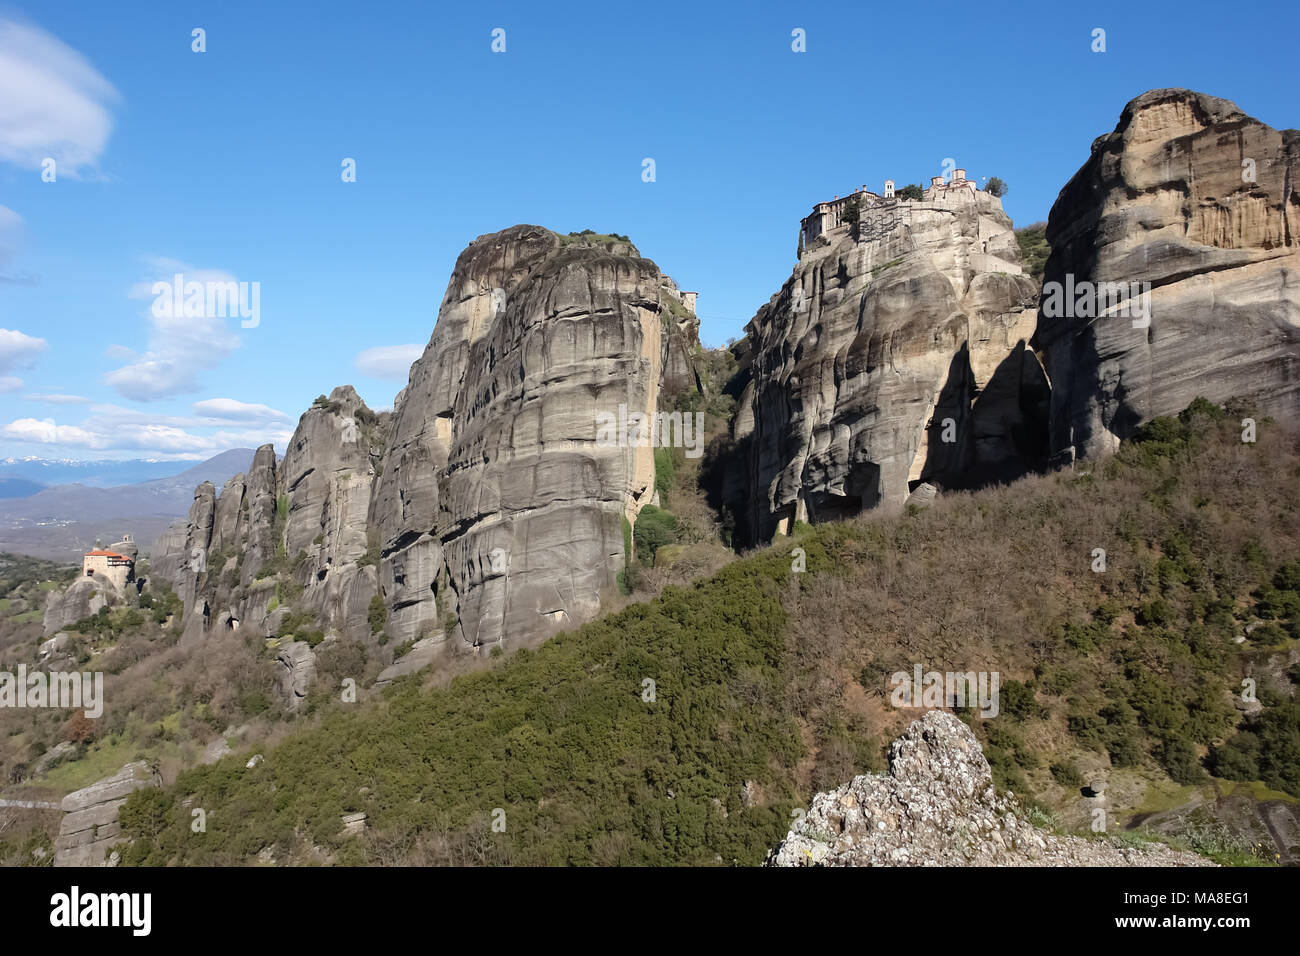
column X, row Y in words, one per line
column 286, row 533
column 486, row 507
column 497, row 503
column 1199, row 201
column 894, row 355
column 328, row 474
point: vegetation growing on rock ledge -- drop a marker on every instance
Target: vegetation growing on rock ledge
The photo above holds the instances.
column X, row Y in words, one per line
column 1034, row 249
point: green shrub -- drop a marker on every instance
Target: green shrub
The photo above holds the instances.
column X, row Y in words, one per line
column 1017, row 699
column 378, row 614
column 655, row 527
column 1067, row 775
column 1154, row 613
column 1034, row 249
column 1276, row 604
column 254, row 702
column 665, row 473
column 1267, row 749
column 1180, row 761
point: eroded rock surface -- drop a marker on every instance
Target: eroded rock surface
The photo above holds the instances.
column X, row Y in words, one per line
column 937, row 807
column 890, row 358
column 1199, row 200
column 89, row 827
column 484, row 509
column 82, row 599
column 295, row 670
column 496, row 502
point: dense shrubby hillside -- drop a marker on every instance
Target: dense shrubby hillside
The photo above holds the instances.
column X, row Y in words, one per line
column 769, row 684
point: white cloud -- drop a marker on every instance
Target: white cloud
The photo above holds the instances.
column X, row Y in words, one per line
column 164, row 268
column 17, row 348
column 229, row 409
column 156, row 439
column 57, row 399
column 47, row 432
column 391, row 362
column 179, row 347
column 10, row 384
column 62, row 111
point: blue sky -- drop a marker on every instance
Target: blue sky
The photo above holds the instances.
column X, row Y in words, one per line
column 226, row 165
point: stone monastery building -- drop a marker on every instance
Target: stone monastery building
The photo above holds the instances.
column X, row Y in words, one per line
column 116, row 563
column 828, row 215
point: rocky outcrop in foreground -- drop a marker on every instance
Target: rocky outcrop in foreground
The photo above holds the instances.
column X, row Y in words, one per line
column 89, row 826
column 937, row 807
column 1196, row 203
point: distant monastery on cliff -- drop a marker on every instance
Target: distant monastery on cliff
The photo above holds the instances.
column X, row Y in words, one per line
column 828, row 215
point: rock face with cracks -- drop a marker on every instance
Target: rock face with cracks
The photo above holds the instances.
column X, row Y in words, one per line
column 497, row 501
column 488, row 507
column 894, row 355
column 894, row 364
column 89, row 827
column 1193, row 204
column 293, row 530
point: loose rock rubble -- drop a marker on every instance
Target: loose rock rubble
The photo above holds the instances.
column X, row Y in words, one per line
column 937, row 807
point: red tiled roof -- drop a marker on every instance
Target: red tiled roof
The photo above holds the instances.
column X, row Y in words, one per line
column 106, row 554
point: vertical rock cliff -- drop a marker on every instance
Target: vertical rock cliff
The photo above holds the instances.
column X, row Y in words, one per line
column 894, row 355
column 287, row 535
column 1196, row 203
column 497, row 503
column 484, row 509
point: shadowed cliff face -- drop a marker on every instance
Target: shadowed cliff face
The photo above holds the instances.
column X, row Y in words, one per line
column 1197, row 202
column 887, row 360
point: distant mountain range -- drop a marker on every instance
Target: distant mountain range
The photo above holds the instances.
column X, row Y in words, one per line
column 47, row 472
column 61, row 521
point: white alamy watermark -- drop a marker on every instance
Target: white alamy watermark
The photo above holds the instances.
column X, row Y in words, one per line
column 210, row 299
column 975, row 689
column 129, row 910
column 1095, row 300
column 651, row 430
column 57, row 689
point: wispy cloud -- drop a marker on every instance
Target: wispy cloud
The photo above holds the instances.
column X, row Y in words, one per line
column 179, row 347
column 229, row 409
column 9, row 383
column 391, row 362
column 18, row 348
column 63, row 109
column 57, row 399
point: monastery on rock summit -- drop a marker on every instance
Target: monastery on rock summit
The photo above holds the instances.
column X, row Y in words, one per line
column 829, row 215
